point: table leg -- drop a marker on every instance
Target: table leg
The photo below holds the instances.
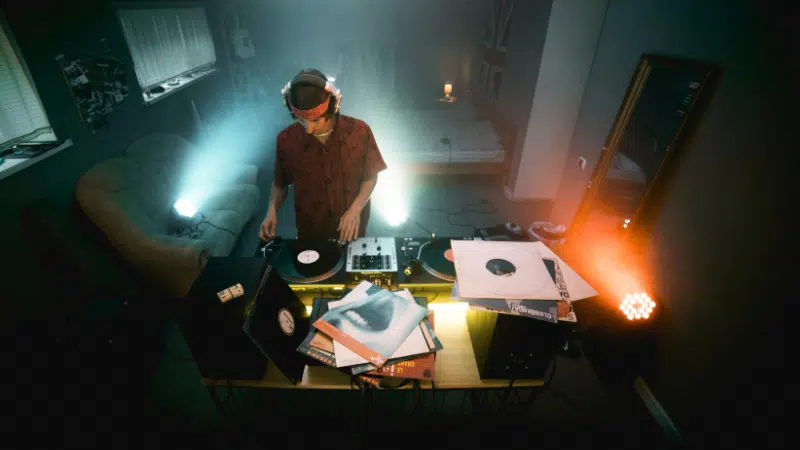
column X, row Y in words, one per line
column 212, row 391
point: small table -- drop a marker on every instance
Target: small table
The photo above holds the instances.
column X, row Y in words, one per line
column 455, row 363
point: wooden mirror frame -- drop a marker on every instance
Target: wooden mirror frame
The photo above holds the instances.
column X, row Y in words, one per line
column 626, row 110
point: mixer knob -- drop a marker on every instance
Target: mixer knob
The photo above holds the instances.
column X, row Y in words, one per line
column 364, row 245
column 407, row 271
column 379, row 248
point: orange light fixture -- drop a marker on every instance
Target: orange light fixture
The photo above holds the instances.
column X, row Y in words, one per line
column 637, row 306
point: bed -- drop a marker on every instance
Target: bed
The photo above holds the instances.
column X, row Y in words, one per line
column 445, row 138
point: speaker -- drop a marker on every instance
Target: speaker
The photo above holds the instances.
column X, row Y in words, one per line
column 213, row 329
column 512, row 347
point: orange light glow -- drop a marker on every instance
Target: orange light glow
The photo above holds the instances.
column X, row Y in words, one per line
column 638, row 306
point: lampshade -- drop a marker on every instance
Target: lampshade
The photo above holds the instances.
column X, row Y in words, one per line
column 448, row 89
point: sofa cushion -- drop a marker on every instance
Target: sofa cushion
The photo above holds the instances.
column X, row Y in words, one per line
column 225, row 212
column 169, row 264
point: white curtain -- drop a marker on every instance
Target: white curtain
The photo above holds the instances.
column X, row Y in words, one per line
column 166, row 43
column 22, row 117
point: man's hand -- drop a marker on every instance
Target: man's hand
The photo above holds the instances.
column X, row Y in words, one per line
column 269, row 226
column 349, row 224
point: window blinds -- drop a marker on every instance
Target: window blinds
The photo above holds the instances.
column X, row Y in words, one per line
column 22, row 116
column 166, row 43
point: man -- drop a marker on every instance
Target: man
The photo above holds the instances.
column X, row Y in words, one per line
column 332, row 160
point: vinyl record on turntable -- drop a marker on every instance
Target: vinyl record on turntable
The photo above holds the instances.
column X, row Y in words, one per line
column 437, row 259
column 309, row 261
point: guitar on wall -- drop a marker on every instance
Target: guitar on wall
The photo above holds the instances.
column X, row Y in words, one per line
column 241, row 41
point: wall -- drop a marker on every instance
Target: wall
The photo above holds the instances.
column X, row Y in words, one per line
column 713, row 254
column 521, row 68
column 74, row 30
column 572, row 32
column 379, row 51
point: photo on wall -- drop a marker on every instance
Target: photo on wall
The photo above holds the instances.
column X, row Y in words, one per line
column 98, row 85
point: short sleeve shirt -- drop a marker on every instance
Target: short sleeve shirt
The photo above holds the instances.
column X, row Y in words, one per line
column 326, row 177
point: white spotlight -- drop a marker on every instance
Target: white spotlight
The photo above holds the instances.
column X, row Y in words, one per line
column 389, row 199
column 185, row 208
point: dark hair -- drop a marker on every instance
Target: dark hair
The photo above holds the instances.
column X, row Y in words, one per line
column 305, row 95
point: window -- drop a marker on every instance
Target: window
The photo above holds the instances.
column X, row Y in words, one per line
column 170, row 46
column 22, row 116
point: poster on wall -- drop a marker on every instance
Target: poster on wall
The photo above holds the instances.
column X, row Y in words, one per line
column 98, row 85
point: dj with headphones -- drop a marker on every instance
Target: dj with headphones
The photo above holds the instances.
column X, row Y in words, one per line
column 332, row 160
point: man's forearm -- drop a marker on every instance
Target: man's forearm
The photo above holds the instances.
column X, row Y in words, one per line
column 277, row 197
column 364, row 192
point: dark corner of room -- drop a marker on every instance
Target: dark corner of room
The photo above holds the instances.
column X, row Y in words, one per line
column 503, row 222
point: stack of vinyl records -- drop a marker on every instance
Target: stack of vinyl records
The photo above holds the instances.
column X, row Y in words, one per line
column 518, row 278
column 374, row 334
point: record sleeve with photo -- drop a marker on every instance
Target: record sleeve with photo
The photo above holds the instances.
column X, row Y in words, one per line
column 421, row 340
column 318, row 345
column 374, row 326
column 418, row 368
column 502, row 270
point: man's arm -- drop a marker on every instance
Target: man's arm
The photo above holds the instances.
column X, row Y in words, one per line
column 364, row 192
column 277, row 197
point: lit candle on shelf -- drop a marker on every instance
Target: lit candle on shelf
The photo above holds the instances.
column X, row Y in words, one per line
column 448, row 89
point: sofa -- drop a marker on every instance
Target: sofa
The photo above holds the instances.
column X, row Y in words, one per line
column 131, row 200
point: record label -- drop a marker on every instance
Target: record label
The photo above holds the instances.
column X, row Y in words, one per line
column 286, row 321
column 501, row 267
column 308, row 257
column 448, row 254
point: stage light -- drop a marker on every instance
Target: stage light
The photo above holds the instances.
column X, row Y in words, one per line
column 638, row 306
column 185, row 208
column 309, row 309
column 627, row 222
column 388, row 197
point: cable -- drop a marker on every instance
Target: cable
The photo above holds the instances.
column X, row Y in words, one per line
column 423, row 228
column 219, row 228
column 207, row 222
column 465, row 209
column 194, row 231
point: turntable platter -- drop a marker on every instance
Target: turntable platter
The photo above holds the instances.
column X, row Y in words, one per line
column 308, row 261
column 437, row 259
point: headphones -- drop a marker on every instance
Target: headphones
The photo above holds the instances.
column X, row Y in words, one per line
column 315, row 78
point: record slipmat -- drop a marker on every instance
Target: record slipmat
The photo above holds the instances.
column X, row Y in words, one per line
column 309, row 261
column 436, row 257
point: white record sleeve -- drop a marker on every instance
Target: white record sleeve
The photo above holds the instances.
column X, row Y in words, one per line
column 521, row 274
column 577, row 287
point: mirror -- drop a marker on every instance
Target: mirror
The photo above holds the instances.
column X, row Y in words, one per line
column 663, row 97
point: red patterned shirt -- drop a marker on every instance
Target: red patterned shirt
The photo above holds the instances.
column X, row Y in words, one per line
column 327, row 177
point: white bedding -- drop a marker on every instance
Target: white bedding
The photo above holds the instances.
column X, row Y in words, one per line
column 624, row 169
column 414, row 137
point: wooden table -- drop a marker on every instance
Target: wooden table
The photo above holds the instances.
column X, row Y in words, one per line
column 455, row 363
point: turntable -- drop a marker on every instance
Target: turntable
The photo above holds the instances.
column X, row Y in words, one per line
column 427, row 263
column 307, row 264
